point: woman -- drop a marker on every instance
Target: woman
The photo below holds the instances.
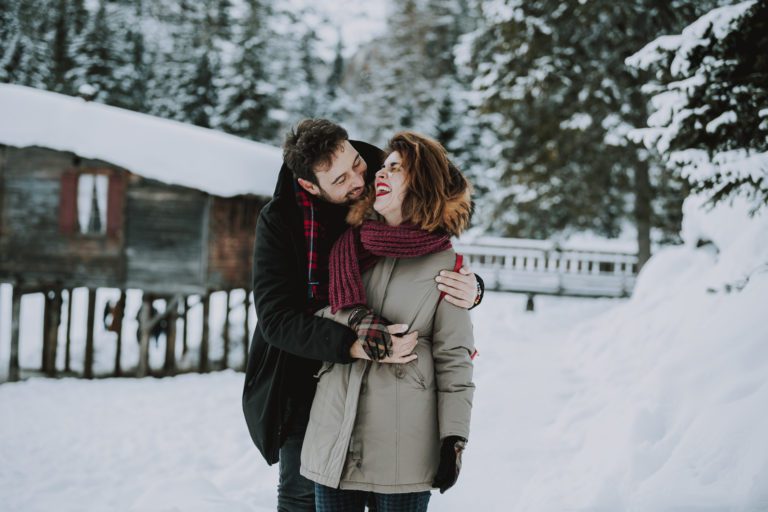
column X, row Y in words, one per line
column 391, row 432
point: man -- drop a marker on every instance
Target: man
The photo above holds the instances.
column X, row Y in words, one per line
column 322, row 173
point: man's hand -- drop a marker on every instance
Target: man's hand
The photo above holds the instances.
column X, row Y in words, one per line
column 402, row 346
column 460, row 287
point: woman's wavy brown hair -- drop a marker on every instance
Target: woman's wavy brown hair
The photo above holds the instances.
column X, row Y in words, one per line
column 438, row 196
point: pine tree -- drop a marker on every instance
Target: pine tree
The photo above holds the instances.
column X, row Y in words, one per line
column 26, row 55
column 710, row 119
column 249, row 97
column 96, row 59
column 552, row 82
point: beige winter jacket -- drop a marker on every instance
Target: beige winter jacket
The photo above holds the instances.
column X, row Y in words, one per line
column 377, row 427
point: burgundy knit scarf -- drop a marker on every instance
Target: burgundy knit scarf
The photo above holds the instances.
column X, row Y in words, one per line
column 358, row 249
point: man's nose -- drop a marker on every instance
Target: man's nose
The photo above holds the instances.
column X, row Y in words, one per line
column 359, row 180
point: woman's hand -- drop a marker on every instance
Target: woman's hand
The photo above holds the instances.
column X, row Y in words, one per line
column 402, row 346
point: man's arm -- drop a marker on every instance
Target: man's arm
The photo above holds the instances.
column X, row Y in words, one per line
column 463, row 288
column 279, row 291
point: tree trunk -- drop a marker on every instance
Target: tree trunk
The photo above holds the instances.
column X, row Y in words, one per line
column 643, row 214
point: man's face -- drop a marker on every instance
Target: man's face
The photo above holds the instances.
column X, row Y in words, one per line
column 343, row 180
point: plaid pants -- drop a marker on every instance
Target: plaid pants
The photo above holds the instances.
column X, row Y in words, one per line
column 328, row 499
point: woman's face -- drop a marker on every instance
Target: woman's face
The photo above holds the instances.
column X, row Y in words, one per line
column 391, row 187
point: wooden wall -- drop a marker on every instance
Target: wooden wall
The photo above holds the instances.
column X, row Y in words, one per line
column 166, row 237
column 159, row 238
column 233, row 230
column 33, row 241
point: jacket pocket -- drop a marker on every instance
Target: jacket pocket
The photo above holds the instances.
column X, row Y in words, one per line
column 418, row 376
column 325, row 368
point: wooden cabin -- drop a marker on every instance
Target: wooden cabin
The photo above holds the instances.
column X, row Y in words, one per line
column 78, row 218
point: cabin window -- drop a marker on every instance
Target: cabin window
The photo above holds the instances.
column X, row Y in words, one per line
column 92, row 203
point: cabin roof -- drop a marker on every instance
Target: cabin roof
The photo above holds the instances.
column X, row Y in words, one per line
column 161, row 149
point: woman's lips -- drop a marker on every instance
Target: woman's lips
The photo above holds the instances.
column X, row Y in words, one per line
column 382, row 189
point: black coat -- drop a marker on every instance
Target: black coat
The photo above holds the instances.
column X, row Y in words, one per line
column 288, row 344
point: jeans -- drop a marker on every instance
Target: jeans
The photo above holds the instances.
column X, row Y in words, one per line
column 294, row 492
column 337, row 500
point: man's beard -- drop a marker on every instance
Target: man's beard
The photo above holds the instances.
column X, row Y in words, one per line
column 349, row 198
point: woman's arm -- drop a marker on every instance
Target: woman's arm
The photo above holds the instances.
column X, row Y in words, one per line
column 452, row 347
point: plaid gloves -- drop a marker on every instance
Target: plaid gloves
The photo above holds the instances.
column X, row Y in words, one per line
column 371, row 332
column 450, row 462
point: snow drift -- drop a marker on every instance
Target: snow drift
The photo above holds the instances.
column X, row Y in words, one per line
column 668, row 407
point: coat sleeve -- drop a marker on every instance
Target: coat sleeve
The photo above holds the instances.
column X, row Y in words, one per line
column 278, row 292
column 452, row 347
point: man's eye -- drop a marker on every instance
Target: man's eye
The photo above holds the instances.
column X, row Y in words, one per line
column 342, row 180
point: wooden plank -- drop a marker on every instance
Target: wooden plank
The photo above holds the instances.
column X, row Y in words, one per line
column 204, row 339
column 88, row 366
column 145, row 314
column 169, row 368
column 13, row 366
column 118, row 317
column 247, row 327
column 225, row 332
column 44, row 353
column 115, row 201
column 51, row 333
column 184, row 346
column 68, row 345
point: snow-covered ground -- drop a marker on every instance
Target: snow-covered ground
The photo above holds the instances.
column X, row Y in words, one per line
column 657, row 403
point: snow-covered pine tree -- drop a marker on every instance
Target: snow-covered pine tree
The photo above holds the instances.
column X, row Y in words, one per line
column 101, row 68
column 710, row 118
column 550, row 79
column 249, row 96
column 26, row 33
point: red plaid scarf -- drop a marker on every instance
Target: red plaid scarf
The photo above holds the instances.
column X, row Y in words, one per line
column 358, row 249
column 317, row 257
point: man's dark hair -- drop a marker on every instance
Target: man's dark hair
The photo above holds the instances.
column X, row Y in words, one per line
column 312, row 144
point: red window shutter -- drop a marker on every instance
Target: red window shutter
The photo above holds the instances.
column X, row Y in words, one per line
column 68, row 202
column 115, row 195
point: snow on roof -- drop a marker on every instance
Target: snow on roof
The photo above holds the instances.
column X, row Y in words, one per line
column 156, row 148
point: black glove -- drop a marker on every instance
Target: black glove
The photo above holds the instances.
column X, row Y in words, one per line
column 450, row 462
column 372, row 332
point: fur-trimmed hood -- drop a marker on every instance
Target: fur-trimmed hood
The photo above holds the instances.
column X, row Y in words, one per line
column 456, row 213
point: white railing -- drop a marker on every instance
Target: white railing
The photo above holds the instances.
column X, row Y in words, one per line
column 544, row 267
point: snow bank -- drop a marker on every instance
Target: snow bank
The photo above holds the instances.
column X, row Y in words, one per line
column 668, row 410
column 161, row 149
